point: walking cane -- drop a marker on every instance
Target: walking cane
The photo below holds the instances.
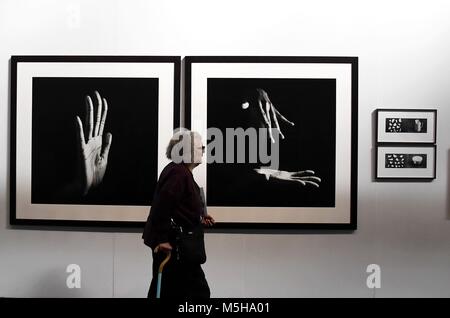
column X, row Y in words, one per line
column 160, row 270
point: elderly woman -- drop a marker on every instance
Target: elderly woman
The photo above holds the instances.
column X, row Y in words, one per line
column 178, row 207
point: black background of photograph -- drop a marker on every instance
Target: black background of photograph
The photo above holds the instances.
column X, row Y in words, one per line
column 309, row 145
column 132, row 120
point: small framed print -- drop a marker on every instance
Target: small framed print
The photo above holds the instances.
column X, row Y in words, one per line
column 406, row 126
column 405, row 162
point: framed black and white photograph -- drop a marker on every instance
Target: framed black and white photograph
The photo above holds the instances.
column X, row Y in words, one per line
column 406, row 162
column 304, row 109
column 88, row 137
column 406, row 125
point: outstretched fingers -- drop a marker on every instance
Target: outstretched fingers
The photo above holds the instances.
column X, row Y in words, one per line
column 89, row 117
column 301, row 182
column 105, row 112
column 80, row 133
column 312, row 183
column 99, row 113
column 282, row 117
column 263, row 113
column 266, row 116
column 269, row 122
column 311, row 178
column 275, row 120
column 303, row 172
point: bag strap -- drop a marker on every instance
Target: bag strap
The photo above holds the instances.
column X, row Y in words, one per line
column 175, row 226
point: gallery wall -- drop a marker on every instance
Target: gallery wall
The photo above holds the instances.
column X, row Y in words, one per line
column 404, row 227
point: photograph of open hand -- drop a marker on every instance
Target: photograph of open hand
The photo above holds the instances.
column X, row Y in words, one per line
column 93, row 147
column 74, row 159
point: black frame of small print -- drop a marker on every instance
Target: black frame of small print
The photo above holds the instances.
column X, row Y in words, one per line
column 408, row 135
column 144, row 69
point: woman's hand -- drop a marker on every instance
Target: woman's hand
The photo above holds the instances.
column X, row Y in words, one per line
column 163, row 247
column 208, row 220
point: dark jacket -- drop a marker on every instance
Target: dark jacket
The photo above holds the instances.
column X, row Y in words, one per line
column 177, row 196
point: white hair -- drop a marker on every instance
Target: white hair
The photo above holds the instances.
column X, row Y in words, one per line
column 181, row 145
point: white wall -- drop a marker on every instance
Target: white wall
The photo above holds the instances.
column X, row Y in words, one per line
column 404, row 61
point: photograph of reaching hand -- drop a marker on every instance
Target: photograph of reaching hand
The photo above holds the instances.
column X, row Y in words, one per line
column 303, row 177
column 302, row 113
column 268, row 111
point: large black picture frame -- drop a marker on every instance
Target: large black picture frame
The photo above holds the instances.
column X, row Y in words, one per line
column 206, row 76
column 143, row 87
